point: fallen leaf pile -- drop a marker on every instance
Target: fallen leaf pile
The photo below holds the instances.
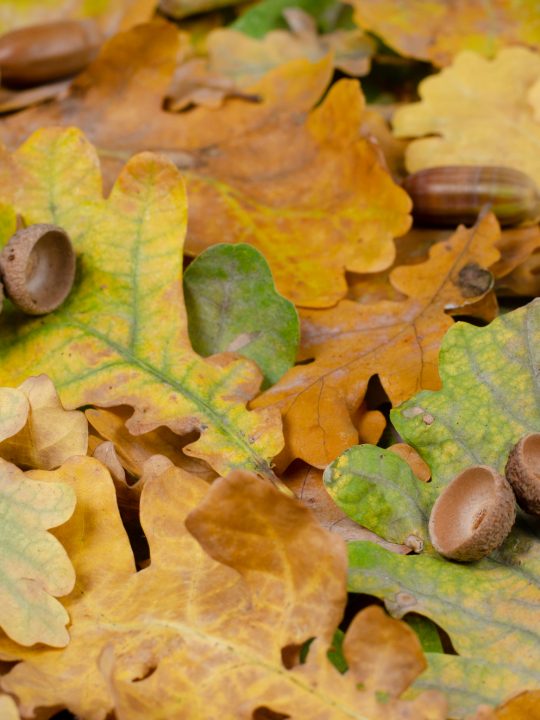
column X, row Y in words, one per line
column 219, row 455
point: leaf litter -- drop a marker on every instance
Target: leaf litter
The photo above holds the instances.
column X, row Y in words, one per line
column 156, row 563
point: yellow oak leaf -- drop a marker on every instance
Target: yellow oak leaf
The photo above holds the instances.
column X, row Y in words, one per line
column 8, row 709
column 298, row 182
column 50, row 434
column 110, row 16
column 437, row 31
column 476, row 112
column 121, row 336
column 397, row 340
column 34, row 567
column 209, row 628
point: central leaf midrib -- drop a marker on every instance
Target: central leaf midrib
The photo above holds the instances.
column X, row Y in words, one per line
column 216, row 417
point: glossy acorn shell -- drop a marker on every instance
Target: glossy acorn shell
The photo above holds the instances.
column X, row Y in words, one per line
column 38, row 268
column 473, row 514
column 523, row 472
column 454, row 194
column 44, row 53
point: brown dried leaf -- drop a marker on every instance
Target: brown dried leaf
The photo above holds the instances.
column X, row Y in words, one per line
column 398, row 341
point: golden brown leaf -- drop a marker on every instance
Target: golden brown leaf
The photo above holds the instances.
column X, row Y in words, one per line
column 436, row 31
column 525, row 706
column 192, row 635
column 134, row 450
column 419, row 467
column 371, row 637
column 246, row 59
column 398, row 341
column 50, row 434
column 271, row 176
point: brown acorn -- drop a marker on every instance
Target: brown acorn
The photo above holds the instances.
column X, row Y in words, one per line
column 39, row 54
column 38, row 268
column 453, row 194
column 523, row 472
column 473, row 515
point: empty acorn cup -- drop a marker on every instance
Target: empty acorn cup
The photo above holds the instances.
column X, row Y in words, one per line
column 523, row 472
column 473, row 515
column 38, row 268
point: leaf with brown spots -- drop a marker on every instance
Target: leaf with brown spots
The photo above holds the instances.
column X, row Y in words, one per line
column 296, row 181
column 397, row 340
column 210, row 628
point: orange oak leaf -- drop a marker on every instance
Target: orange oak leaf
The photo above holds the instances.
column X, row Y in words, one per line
column 50, row 434
column 300, row 184
column 208, row 629
column 134, row 450
column 437, row 31
column 397, row 340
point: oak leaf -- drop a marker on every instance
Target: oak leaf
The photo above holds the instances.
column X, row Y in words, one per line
column 50, row 434
column 438, row 31
column 476, row 112
column 34, row 567
column 134, row 450
column 222, row 615
column 300, row 184
column 8, row 709
column 246, row 59
column 398, row 341
column 232, row 305
column 121, row 336
column 489, row 399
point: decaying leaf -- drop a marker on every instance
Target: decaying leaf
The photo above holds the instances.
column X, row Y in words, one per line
column 300, row 184
column 233, row 306
column 220, row 620
column 50, row 434
column 398, row 341
column 488, row 400
column 437, row 31
column 121, row 336
column 246, row 60
column 476, row 112
column 34, row 567
column 134, row 450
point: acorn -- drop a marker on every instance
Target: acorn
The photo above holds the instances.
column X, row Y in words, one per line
column 38, row 268
column 453, row 194
column 39, row 54
column 523, row 472
column 473, row 515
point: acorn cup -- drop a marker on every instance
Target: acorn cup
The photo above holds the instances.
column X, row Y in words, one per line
column 38, row 268
column 523, row 472
column 473, row 515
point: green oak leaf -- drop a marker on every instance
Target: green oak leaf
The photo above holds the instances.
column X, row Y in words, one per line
column 268, row 15
column 489, row 399
column 490, row 396
column 233, row 305
column 378, row 490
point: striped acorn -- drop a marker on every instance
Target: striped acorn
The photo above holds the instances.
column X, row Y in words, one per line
column 453, row 194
